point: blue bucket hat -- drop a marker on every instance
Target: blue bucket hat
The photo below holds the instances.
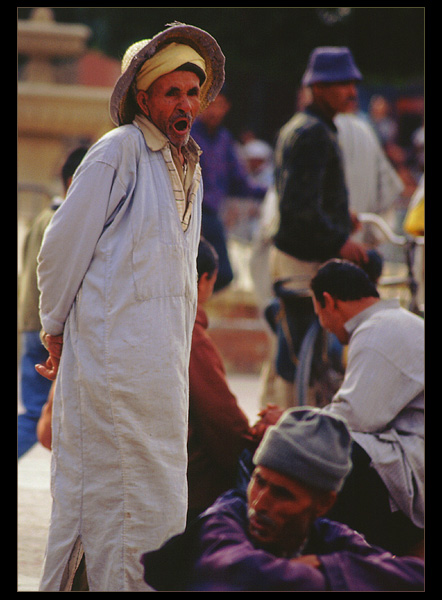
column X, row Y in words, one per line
column 330, row 64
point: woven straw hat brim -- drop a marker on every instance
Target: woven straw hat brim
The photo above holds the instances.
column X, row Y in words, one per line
column 122, row 103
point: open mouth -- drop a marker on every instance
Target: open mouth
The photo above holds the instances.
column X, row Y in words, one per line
column 181, row 125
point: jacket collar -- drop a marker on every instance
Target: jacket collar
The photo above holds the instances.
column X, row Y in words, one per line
column 156, row 140
column 315, row 111
column 355, row 321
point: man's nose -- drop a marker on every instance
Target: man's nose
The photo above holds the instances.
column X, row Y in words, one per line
column 184, row 104
column 261, row 500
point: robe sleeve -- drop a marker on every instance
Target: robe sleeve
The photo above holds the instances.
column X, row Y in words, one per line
column 369, row 402
column 70, row 240
column 375, row 571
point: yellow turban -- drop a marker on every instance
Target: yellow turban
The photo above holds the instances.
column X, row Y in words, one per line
column 165, row 61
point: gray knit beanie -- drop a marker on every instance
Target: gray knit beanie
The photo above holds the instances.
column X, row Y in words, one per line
column 310, row 445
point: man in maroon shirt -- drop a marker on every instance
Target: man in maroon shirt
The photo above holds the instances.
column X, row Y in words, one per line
column 218, row 429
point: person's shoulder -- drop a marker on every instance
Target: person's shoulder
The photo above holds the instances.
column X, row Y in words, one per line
column 304, row 127
column 328, row 535
column 116, row 143
column 353, row 125
column 226, row 135
column 231, row 501
column 125, row 135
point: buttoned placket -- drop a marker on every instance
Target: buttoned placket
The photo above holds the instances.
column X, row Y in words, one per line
column 156, row 140
column 184, row 205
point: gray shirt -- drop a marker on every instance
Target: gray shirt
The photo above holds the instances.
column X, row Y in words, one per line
column 382, row 398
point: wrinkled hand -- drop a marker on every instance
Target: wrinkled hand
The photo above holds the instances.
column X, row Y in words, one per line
column 44, row 424
column 268, row 416
column 309, row 559
column 355, row 222
column 354, row 252
column 54, row 345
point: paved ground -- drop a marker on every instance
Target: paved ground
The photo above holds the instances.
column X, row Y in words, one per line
column 34, row 502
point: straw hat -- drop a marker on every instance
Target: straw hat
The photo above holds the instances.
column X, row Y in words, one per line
column 122, row 102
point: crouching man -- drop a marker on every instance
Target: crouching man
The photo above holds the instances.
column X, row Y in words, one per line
column 276, row 538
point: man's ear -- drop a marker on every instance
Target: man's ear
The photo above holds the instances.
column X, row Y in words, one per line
column 142, row 101
column 202, row 279
column 324, row 503
column 328, row 300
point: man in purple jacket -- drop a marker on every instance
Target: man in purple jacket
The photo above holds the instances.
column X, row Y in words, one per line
column 276, row 538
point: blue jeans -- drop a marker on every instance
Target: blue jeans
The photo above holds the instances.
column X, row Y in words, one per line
column 213, row 231
column 34, row 390
column 299, row 315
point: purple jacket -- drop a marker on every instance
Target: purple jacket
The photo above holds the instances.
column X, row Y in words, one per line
column 216, row 555
column 223, row 173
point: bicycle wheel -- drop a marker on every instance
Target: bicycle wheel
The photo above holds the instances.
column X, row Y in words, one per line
column 317, row 379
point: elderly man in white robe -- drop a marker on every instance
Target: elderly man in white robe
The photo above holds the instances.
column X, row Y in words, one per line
column 117, row 274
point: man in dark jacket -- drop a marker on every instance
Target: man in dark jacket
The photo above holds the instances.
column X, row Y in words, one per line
column 276, row 538
column 315, row 223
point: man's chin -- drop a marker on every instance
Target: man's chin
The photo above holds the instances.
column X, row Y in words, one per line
column 179, row 132
column 179, row 140
column 261, row 535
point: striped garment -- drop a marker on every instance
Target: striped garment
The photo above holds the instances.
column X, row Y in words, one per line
column 180, row 176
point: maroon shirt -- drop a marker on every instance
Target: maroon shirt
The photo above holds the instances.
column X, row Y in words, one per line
column 218, row 428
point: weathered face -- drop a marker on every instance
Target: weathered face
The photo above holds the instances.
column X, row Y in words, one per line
column 337, row 97
column 172, row 103
column 280, row 510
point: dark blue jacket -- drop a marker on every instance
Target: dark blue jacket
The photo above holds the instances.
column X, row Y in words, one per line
column 315, row 220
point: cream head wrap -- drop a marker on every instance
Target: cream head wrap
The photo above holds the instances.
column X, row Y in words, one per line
column 165, row 61
column 147, row 60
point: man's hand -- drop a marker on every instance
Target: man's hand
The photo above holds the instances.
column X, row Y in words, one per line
column 44, row 424
column 54, row 345
column 354, row 252
column 355, row 222
column 268, row 416
column 308, row 559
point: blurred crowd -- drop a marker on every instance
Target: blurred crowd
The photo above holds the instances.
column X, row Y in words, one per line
column 247, row 216
column 405, row 153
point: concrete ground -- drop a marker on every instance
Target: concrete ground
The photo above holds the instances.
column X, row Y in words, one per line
column 34, row 501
